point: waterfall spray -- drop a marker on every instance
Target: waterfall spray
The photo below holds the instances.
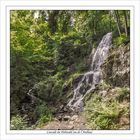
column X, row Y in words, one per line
column 91, row 78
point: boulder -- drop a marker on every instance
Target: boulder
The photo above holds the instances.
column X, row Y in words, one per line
column 66, row 118
column 74, row 117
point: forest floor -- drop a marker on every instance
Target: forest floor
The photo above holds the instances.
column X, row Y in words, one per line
column 66, row 122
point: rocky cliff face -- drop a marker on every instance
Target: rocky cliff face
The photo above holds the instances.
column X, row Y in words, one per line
column 108, row 107
column 116, row 69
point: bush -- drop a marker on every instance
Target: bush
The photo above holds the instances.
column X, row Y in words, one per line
column 103, row 114
column 71, row 78
column 121, row 39
column 42, row 114
column 43, row 120
column 18, row 123
column 123, row 94
column 49, row 89
column 70, row 50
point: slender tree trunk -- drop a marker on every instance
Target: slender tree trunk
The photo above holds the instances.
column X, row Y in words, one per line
column 125, row 21
column 95, row 23
column 117, row 21
column 110, row 16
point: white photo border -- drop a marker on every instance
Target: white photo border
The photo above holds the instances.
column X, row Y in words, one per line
column 6, row 133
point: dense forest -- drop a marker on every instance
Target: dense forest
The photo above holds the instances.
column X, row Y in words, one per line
column 50, row 50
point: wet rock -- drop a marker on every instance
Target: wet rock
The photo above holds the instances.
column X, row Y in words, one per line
column 87, row 82
column 66, row 88
column 89, row 60
column 77, row 80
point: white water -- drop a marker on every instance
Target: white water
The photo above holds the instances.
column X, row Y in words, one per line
column 91, row 78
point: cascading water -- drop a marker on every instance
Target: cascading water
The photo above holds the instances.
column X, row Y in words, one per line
column 91, row 78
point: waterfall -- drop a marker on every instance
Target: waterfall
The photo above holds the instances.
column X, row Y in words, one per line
column 91, row 78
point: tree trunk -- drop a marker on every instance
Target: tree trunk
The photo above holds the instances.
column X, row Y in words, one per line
column 95, row 23
column 117, row 21
column 125, row 21
column 110, row 24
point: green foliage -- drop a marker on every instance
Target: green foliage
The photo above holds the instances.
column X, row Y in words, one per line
column 49, row 51
column 18, row 123
column 43, row 120
column 70, row 50
column 104, row 113
column 121, row 39
column 101, row 115
column 42, row 114
column 50, row 89
column 123, row 94
column 71, row 79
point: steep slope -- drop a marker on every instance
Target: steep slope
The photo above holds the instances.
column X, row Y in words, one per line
column 109, row 106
